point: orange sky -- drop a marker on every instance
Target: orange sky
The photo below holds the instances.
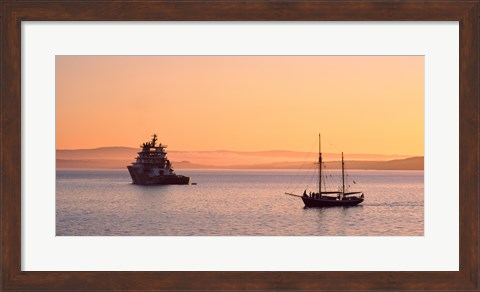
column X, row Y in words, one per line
column 360, row 104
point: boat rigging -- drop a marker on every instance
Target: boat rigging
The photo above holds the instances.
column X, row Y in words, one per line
column 325, row 198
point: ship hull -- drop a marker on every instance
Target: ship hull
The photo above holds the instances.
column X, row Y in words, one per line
column 319, row 202
column 145, row 179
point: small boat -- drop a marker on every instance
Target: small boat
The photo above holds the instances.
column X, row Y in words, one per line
column 152, row 166
column 328, row 198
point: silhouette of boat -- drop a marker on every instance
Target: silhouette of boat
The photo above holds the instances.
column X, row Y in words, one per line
column 152, row 166
column 326, row 198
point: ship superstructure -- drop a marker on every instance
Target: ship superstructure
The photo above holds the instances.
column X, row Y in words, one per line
column 153, row 167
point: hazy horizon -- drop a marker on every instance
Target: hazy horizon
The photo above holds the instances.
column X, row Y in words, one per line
column 245, row 151
column 120, row 157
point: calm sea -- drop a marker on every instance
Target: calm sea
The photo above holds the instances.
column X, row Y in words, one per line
column 236, row 202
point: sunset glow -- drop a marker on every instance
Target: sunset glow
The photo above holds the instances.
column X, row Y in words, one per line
column 360, row 104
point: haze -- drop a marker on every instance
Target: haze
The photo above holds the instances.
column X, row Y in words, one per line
column 360, row 104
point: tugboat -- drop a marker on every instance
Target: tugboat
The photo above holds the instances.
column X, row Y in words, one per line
column 325, row 198
column 152, row 166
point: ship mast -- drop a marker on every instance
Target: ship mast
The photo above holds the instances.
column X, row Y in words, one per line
column 319, row 165
column 343, row 178
column 154, row 139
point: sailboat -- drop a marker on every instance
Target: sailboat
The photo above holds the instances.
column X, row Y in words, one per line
column 326, row 198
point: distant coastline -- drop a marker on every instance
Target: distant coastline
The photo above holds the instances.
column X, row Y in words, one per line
column 120, row 157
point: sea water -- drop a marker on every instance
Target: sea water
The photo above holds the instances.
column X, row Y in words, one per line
column 236, row 203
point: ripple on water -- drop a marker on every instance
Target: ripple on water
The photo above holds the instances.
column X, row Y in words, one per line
column 244, row 203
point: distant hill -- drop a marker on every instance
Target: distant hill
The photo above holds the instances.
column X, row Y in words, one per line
column 413, row 163
column 117, row 157
column 116, row 164
column 98, row 153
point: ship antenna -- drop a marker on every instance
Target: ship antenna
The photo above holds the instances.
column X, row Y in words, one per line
column 154, row 139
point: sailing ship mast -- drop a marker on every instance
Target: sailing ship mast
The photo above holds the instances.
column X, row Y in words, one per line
column 340, row 199
column 319, row 165
column 320, row 168
column 343, row 177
